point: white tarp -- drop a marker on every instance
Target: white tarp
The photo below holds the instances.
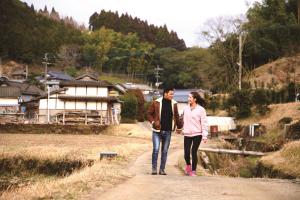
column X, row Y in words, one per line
column 223, row 123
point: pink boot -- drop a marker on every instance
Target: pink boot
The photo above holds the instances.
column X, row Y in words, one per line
column 188, row 170
column 192, row 173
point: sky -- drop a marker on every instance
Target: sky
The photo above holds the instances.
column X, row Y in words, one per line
column 185, row 17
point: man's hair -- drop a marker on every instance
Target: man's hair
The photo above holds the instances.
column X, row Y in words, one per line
column 166, row 90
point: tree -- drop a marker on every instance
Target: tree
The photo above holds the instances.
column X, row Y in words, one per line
column 241, row 100
column 261, row 100
column 222, row 35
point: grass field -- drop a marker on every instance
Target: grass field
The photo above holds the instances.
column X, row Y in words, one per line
column 23, row 159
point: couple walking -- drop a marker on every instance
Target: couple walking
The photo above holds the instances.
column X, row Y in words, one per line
column 164, row 117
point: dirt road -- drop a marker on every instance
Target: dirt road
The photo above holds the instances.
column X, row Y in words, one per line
column 177, row 186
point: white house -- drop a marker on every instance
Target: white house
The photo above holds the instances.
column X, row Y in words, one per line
column 84, row 99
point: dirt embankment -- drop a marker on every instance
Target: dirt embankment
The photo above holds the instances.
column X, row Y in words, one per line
column 51, row 129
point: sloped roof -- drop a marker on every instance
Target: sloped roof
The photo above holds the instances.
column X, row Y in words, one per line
column 19, row 72
column 85, row 83
column 59, row 75
column 26, row 88
column 87, row 77
column 9, row 92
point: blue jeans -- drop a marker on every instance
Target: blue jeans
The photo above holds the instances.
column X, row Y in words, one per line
column 165, row 138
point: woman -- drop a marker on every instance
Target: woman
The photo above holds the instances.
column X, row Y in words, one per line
column 195, row 129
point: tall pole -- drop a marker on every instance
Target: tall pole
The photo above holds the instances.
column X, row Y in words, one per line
column 240, row 61
column 157, row 69
column 46, row 66
column 48, row 103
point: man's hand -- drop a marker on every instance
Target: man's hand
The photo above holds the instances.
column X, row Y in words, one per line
column 179, row 132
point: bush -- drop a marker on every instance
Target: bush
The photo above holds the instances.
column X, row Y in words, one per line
column 129, row 109
column 214, row 103
column 241, row 100
column 140, row 104
column 261, row 101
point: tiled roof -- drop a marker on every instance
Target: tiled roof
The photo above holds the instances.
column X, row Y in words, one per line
column 85, row 83
column 59, row 75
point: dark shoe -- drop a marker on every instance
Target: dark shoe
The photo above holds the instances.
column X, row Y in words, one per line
column 154, row 172
column 162, row 172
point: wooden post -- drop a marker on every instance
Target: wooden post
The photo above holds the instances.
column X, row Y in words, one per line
column 231, row 151
column 101, row 118
column 64, row 113
column 85, row 117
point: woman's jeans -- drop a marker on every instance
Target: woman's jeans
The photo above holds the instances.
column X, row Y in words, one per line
column 165, row 138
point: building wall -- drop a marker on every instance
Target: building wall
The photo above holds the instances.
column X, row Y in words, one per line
column 72, row 105
column 9, row 102
column 87, row 91
column 58, row 106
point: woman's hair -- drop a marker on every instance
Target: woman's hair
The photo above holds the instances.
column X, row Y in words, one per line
column 199, row 100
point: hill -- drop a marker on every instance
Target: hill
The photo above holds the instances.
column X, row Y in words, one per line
column 277, row 112
column 276, row 74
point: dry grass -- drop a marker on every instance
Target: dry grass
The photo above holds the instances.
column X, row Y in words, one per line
column 286, row 160
column 278, row 72
column 278, row 111
column 102, row 175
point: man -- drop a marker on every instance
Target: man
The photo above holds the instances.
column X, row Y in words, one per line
column 164, row 117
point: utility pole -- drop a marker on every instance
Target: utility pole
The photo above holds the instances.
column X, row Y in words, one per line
column 46, row 63
column 157, row 69
column 240, row 61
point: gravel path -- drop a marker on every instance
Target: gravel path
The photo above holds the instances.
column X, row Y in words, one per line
column 178, row 186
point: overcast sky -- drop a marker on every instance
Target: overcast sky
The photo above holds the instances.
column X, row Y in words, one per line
column 182, row 16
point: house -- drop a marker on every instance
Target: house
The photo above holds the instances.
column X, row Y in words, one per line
column 20, row 74
column 9, row 97
column 55, row 77
column 84, row 99
column 13, row 94
column 181, row 96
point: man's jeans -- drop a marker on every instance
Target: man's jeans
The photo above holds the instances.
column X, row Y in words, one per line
column 165, row 138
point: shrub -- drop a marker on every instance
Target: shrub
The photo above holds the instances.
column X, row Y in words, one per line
column 140, row 104
column 261, row 101
column 213, row 103
column 241, row 100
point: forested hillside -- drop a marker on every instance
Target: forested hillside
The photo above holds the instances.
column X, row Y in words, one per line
column 27, row 35
column 160, row 36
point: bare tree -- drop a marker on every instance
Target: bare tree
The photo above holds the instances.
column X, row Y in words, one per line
column 222, row 34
